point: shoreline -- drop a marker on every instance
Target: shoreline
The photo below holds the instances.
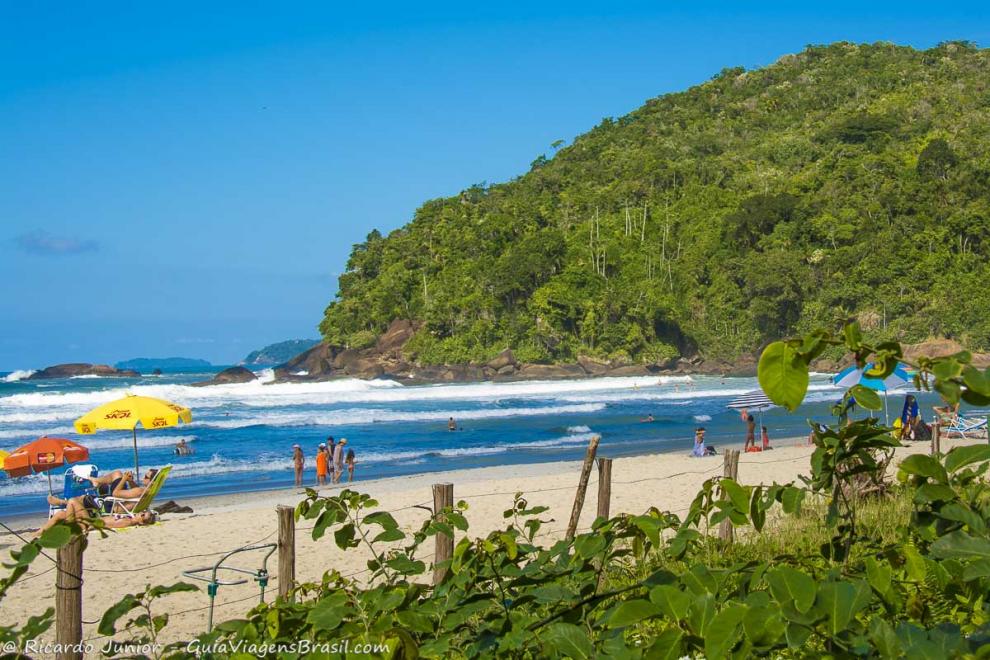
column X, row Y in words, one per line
column 235, row 501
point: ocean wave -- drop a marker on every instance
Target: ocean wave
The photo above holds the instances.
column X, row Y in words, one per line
column 359, row 416
column 15, row 376
column 702, row 418
column 145, row 441
column 578, row 429
column 262, row 393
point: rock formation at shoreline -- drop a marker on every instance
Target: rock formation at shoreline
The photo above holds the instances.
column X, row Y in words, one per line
column 229, row 376
column 387, row 359
column 73, row 369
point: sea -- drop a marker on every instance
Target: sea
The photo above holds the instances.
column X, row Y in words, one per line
column 242, row 434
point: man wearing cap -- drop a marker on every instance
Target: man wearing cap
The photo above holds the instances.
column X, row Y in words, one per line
column 338, row 460
column 298, row 462
column 321, row 465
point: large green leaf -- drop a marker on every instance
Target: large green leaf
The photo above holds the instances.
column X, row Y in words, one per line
column 866, row 398
column 960, row 545
column 673, row 602
column 788, row 583
column 109, row 619
column 566, row 639
column 328, row 613
column 738, row 495
column 960, row 457
column 841, row 601
column 667, row 646
column 723, row 631
column 632, row 611
column 783, row 375
column 925, row 466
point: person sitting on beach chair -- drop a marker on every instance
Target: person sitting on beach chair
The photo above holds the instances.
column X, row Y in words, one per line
column 84, row 508
column 122, row 484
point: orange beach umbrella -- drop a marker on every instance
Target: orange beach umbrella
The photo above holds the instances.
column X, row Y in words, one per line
column 43, row 455
column 127, row 413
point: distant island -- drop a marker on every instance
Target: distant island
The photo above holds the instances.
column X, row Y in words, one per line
column 148, row 365
column 280, row 353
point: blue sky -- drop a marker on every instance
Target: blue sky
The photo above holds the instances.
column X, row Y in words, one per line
column 188, row 178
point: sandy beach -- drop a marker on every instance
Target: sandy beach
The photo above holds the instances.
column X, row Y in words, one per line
column 127, row 561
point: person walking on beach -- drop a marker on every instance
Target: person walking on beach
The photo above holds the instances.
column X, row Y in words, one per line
column 350, row 465
column 322, row 465
column 298, row 463
column 338, row 460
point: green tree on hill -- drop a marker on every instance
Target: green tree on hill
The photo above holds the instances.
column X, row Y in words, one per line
column 839, row 182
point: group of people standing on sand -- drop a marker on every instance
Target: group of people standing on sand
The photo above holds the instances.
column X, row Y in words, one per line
column 332, row 458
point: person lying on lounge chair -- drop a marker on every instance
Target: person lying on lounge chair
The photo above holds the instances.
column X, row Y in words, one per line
column 84, row 509
column 122, row 484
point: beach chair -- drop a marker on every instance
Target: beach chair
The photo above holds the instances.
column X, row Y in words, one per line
column 130, row 507
column 75, row 483
column 965, row 427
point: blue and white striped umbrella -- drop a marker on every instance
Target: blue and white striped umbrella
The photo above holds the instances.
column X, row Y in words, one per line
column 755, row 400
column 855, row 376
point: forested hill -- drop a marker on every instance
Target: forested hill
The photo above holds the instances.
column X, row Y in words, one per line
column 844, row 181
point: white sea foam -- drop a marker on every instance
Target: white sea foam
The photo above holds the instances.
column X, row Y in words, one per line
column 15, row 376
column 581, row 428
column 145, row 440
column 351, row 416
column 259, row 394
column 702, row 418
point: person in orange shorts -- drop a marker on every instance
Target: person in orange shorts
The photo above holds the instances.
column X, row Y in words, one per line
column 322, row 465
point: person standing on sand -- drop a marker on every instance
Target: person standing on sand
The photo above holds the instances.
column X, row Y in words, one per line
column 322, row 465
column 331, row 445
column 298, row 463
column 750, row 434
column 350, row 465
column 338, row 460
column 765, row 436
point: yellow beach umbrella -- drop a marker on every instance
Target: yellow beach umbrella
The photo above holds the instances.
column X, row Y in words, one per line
column 125, row 414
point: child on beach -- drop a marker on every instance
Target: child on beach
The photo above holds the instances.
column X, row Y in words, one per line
column 350, row 465
column 765, row 436
column 298, row 462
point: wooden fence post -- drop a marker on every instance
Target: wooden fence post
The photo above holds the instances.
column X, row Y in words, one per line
column 443, row 497
column 286, row 549
column 68, row 599
column 604, row 486
column 936, row 438
column 582, row 489
column 730, row 470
